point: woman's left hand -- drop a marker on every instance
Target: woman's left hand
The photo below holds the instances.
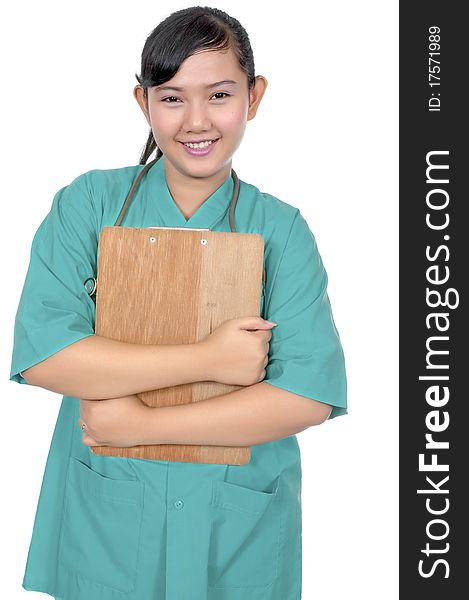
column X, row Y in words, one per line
column 118, row 422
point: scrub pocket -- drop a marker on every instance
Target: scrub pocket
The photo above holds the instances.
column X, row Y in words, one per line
column 101, row 527
column 245, row 536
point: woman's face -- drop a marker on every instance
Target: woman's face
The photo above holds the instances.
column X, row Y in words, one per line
column 207, row 99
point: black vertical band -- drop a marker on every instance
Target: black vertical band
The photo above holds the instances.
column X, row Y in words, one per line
column 434, row 258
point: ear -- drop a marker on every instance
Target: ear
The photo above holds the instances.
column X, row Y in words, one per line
column 255, row 95
column 139, row 94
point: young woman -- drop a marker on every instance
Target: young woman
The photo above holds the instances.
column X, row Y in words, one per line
column 110, row 528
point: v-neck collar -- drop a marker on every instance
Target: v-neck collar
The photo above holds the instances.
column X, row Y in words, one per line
column 206, row 216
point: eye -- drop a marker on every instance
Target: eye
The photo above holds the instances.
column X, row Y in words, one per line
column 171, row 97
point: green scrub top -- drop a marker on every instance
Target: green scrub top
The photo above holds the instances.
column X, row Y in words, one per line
column 112, row 528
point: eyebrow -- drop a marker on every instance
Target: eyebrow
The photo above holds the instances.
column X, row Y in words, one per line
column 159, row 88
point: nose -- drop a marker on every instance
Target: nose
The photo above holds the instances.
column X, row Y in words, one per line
column 196, row 117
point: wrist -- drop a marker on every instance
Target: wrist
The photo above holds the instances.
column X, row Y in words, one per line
column 200, row 362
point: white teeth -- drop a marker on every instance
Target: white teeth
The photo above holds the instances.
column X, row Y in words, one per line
column 200, row 145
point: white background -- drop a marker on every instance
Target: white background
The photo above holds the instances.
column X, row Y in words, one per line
column 324, row 140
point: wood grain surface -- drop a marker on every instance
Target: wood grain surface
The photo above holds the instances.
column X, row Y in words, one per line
column 160, row 285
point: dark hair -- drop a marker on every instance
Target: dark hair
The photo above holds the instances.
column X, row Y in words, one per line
column 179, row 36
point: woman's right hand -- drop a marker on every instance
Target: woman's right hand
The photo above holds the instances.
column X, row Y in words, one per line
column 237, row 350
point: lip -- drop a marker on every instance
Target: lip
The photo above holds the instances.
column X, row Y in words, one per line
column 200, row 151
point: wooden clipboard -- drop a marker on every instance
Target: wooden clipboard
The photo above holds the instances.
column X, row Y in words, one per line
column 160, row 285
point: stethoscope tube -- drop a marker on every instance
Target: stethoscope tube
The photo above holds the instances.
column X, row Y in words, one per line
column 137, row 180
column 91, row 289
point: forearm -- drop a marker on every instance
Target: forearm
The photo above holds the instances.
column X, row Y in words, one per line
column 252, row 415
column 100, row 368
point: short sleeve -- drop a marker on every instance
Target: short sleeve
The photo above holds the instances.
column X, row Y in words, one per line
column 55, row 309
column 305, row 351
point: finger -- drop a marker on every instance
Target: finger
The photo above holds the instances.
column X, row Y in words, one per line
column 264, row 335
column 255, row 322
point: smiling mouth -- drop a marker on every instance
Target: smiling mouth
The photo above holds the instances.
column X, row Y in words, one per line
column 202, row 141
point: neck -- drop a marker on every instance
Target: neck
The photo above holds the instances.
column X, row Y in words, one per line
column 188, row 192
